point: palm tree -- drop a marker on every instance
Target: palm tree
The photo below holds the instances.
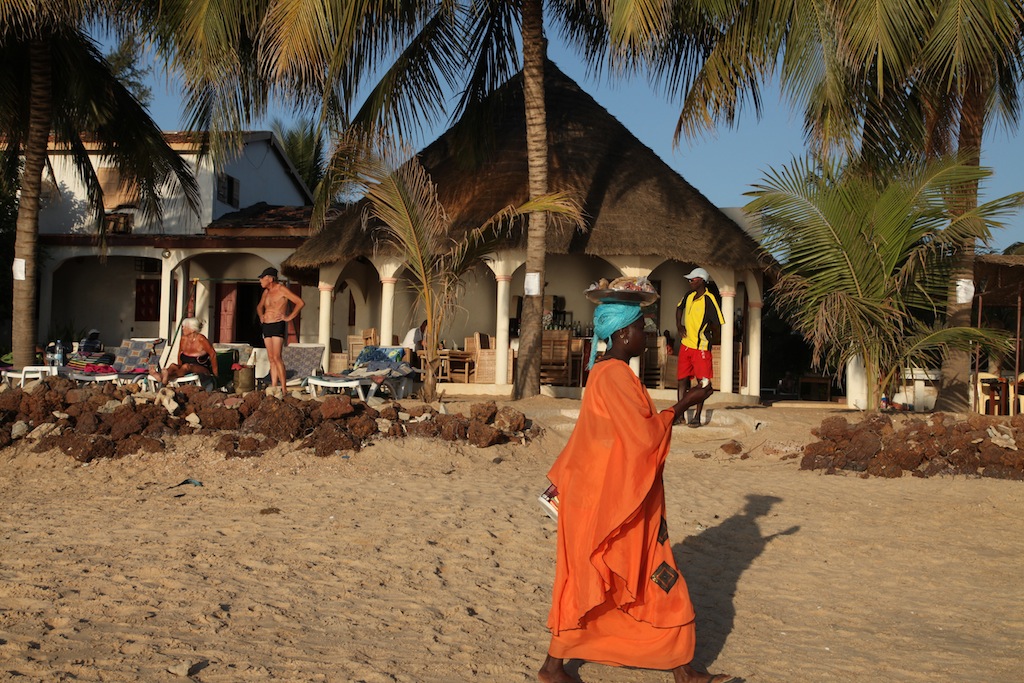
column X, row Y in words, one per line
column 55, row 83
column 863, row 261
column 881, row 83
column 432, row 48
column 303, row 142
column 404, row 212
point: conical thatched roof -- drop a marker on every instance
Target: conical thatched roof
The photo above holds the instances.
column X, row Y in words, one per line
column 999, row 278
column 634, row 203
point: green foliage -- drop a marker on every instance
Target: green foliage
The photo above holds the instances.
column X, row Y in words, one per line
column 124, row 64
column 403, row 212
column 865, row 263
column 303, row 142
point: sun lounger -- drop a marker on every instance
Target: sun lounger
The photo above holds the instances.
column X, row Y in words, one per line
column 134, row 359
column 376, row 366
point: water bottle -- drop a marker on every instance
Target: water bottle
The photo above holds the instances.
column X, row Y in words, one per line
column 59, row 353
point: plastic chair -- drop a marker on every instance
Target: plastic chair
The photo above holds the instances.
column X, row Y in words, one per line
column 982, row 382
column 29, row 372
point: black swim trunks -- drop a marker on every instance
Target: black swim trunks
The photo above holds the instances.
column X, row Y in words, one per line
column 278, row 329
column 202, row 361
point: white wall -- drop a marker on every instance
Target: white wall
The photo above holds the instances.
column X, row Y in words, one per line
column 263, row 177
column 88, row 294
column 67, row 212
column 262, row 172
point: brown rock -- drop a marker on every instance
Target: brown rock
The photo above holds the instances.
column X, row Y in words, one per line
column 426, row 428
column 452, row 427
column 361, row 426
column 85, row 448
column 330, row 438
column 732, row 447
column 334, row 407
column 482, row 435
column 275, row 418
column 219, row 417
column 483, row 412
column 123, row 422
column 510, row 420
column 137, row 443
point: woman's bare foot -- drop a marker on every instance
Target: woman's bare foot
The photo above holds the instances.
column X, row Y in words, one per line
column 553, row 671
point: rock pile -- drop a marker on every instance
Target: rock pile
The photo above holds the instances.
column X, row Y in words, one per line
column 107, row 420
column 941, row 444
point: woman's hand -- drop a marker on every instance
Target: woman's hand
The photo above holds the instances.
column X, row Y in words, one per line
column 697, row 394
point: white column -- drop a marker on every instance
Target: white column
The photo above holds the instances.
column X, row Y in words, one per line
column 166, row 278
column 856, row 384
column 501, row 333
column 754, row 350
column 387, row 309
column 203, row 301
column 179, row 314
column 728, row 331
column 325, row 323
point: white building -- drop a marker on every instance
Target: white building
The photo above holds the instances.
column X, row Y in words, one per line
column 254, row 212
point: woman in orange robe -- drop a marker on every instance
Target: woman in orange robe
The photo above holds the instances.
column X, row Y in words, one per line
column 618, row 598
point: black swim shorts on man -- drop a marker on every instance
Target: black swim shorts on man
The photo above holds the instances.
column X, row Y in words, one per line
column 278, row 329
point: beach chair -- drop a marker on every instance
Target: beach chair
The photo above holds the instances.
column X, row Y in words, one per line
column 224, row 376
column 375, row 367
column 301, row 361
column 29, row 372
column 134, row 360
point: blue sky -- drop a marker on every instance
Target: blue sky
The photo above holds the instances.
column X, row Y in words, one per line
column 722, row 166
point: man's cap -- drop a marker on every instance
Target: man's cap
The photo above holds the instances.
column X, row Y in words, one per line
column 699, row 272
column 272, row 272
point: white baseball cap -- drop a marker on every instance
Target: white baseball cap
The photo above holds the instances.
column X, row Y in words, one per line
column 699, row 272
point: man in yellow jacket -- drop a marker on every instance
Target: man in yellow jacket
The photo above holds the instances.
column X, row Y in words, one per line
column 698, row 319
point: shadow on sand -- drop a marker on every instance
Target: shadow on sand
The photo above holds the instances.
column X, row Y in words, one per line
column 712, row 563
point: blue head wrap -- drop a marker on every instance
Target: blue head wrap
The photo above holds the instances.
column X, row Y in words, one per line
column 609, row 319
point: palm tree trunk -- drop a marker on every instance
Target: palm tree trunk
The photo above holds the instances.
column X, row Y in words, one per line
column 528, row 379
column 27, row 228
column 954, row 395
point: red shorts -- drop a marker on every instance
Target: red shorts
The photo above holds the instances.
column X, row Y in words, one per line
column 694, row 363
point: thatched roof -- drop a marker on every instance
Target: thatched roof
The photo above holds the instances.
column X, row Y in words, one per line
column 634, row 203
column 999, row 278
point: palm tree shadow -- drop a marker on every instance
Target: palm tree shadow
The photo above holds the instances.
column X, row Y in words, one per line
column 713, row 561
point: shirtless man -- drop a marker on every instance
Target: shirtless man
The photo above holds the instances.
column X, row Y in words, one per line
column 273, row 313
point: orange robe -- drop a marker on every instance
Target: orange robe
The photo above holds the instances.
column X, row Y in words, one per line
column 618, row 597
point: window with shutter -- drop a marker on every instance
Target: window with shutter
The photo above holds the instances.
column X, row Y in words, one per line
column 228, row 189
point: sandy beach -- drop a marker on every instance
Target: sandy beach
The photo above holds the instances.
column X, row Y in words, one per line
column 418, row 560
